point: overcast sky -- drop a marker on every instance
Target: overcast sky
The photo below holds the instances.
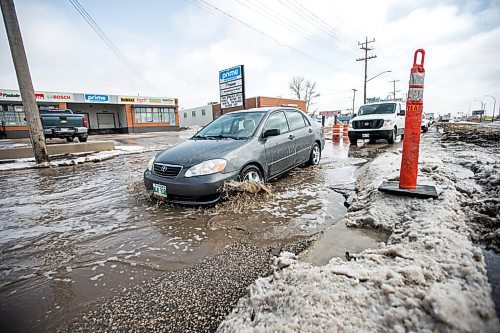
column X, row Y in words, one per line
column 176, row 48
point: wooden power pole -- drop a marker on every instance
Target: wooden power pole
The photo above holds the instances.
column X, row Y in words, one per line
column 24, row 80
column 364, row 46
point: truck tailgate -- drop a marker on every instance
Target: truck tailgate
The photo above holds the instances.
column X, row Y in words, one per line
column 61, row 120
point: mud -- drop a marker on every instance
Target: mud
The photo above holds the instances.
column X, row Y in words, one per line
column 471, row 144
column 484, row 134
column 74, row 237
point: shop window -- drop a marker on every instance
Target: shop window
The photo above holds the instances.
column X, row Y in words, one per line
column 11, row 115
column 154, row 115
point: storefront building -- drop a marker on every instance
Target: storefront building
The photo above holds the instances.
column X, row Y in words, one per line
column 259, row 102
column 104, row 113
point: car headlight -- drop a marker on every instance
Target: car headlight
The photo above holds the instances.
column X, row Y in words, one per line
column 206, row 168
column 150, row 163
column 388, row 123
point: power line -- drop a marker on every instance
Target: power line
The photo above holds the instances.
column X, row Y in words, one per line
column 305, row 14
column 292, row 27
column 265, row 34
column 327, row 27
column 364, row 46
column 102, row 35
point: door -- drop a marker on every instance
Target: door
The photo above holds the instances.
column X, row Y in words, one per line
column 401, row 118
column 280, row 149
column 105, row 120
column 302, row 131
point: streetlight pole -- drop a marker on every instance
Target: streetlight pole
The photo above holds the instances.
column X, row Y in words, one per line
column 494, row 105
column 378, row 75
column 394, row 88
column 353, row 98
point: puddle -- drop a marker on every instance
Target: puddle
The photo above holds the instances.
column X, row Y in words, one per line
column 492, row 260
column 82, row 232
column 340, row 239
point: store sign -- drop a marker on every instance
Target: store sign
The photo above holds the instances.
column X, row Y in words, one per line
column 146, row 100
column 10, row 95
column 232, row 87
column 330, row 113
column 231, row 101
column 53, row 97
column 15, row 95
column 93, row 98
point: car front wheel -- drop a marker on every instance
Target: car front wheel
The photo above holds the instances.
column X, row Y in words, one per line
column 251, row 174
column 315, row 156
column 393, row 137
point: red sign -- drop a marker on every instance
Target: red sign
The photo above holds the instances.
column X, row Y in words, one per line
column 329, row 113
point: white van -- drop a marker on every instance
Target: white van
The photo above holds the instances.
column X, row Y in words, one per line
column 381, row 120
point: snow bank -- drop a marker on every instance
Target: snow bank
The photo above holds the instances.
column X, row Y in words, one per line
column 428, row 277
column 73, row 159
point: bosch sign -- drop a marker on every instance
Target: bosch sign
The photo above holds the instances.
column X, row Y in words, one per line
column 93, row 98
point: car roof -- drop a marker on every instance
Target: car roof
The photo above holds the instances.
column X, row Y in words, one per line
column 265, row 109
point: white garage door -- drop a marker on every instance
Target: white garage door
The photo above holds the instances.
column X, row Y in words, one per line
column 105, row 120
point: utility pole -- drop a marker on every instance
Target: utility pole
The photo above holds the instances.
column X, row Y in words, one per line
column 353, row 98
column 24, row 80
column 364, row 46
column 394, row 88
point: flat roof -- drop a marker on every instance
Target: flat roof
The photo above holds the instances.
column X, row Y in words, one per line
column 9, row 95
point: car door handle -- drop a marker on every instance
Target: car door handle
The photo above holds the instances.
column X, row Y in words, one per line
column 291, row 137
column 310, row 130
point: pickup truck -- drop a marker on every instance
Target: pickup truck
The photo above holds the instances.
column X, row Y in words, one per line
column 63, row 123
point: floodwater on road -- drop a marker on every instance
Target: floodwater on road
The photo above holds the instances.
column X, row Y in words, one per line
column 71, row 235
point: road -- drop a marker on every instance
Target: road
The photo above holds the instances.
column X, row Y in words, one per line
column 73, row 238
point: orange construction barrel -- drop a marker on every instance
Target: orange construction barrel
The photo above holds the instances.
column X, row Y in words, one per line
column 336, row 132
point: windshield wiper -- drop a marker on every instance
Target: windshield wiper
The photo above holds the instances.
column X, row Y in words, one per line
column 220, row 136
column 199, row 137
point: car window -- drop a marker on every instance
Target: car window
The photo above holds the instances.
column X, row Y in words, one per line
column 277, row 120
column 295, row 120
column 385, row 108
column 308, row 123
column 233, row 125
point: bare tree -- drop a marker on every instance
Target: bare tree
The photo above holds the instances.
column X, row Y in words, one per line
column 303, row 89
column 296, row 85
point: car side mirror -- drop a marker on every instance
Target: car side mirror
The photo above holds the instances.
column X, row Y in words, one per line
column 271, row 132
column 401, row 113
column 354, row 116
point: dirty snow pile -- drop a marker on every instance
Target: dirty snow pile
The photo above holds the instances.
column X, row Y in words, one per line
column 429, row 277
column 72, row 159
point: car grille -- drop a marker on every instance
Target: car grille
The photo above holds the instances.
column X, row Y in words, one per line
column 367, row 124
column 166, row 170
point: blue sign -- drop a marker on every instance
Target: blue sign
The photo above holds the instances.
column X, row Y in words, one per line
column 344, row 118
column 96, row 98
column 230, row 74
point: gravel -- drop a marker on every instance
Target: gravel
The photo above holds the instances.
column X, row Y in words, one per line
column 194, row 299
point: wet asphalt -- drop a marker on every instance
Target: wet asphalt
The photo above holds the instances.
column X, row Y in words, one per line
column 84, row 248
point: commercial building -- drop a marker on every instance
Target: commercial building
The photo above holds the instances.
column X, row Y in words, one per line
column 198, row 116
column 261, row 101
column 105, row 113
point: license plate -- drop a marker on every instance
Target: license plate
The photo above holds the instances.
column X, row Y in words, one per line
column 366, row 135
column 160, row 190
column 64, row 129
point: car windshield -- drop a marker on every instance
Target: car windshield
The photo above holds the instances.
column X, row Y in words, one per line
column 385, row 108
column 232, row 126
